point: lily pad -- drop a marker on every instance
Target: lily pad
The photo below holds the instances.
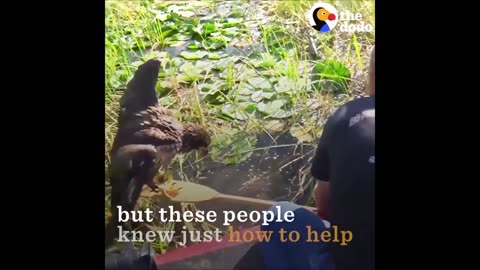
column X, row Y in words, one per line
column 243, row 99
column 162, row 16
column 186, row 13
column 267, row 73
column 215, row 43
column 222, row 64
column 281, row 114
column 302, row 134
column 178, row 43
column 178, row 8
column 232, row 146
column 285, row 85
column 244, row 89
column 267, row 61
column 274, row 109
column 189, row 73
column 243, row 73
column 257, row 96
column 267, row 95
column 233, row 111
column 235, row 20
column 260, row 83
column 193, row 55
column 193, row 46
column 217, row 56
column 168, row 83
column 232, row 31
column 167, row 101
column 204, row 66
column 260, row 95
column 158, row 54
column 271, row 107
column 274, row 126
column 213, row 89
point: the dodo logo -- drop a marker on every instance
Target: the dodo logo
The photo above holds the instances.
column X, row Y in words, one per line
column 323, row 17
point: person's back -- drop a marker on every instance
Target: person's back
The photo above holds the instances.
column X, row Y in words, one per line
column 351, row 157
column 344, row 166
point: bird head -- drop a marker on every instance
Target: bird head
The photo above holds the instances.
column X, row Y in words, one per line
column 195, row 137
column 140, row 92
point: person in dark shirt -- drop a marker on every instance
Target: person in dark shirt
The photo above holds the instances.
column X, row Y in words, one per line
column 344, row 167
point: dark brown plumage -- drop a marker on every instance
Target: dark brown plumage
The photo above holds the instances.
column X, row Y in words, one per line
column 148, row 137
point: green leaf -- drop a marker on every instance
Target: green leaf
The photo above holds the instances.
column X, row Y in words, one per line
column 208, row 28
column 168, row 33
column 330, row 75
column 249, row 107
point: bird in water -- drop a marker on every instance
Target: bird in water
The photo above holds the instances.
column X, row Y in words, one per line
column 148, row 139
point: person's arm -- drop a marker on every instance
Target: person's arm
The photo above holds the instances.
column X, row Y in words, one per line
column 321, row 171
column 322, row 196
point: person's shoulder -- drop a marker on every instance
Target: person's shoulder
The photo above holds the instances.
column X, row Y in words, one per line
column 357, row 105
column 345, row 112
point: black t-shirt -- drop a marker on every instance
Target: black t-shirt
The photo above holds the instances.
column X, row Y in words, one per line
column 346, row 158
